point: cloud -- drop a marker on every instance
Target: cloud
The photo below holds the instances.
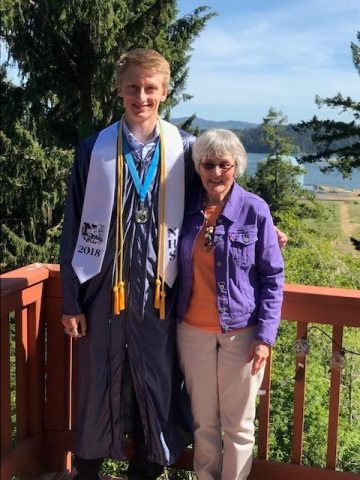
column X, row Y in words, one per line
column 262, row 55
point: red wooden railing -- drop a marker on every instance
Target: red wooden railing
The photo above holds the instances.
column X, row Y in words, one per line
column 43, row 440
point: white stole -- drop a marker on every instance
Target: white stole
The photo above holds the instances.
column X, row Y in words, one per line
column 99, row 201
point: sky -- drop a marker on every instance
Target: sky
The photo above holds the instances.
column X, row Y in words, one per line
column 258, row 54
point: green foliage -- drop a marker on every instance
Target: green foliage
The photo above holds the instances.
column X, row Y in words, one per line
column 313, row 261
column 316, row 398
column 114, row 468
column 282, row 397
column 188, row 127
column 337, row 142
column 349, row 438
column 273, row 134
column 32, row 186
column 119, row 469
column 66, row 52
column 277, row 179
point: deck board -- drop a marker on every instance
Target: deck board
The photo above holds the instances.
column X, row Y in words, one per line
column 71, row 475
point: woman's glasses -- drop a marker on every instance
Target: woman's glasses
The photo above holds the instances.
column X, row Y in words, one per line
column 224, row 166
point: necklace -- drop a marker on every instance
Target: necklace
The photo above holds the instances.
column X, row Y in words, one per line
column 212, row 210
column 209, row 238
column 211, row 214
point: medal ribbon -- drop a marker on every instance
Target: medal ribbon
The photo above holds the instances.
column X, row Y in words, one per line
column 119, row 285
column 142, row 189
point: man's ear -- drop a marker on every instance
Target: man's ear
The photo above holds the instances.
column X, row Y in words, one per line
column 119, row 90
column 164, row 95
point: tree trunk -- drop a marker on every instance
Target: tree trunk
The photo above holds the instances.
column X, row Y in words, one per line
column 86, row 73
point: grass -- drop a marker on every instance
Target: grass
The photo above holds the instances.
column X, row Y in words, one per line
column 331, row 225
column 354, row 213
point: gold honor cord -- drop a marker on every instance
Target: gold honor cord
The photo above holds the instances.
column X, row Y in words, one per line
column 119, row 287
column 159, row 301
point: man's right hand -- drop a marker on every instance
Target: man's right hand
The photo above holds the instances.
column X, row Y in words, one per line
column 74, row 325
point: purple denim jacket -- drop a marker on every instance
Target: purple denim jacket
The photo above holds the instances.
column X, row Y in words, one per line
column 249, row 267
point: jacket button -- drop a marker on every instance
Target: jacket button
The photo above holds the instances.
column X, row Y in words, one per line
column 218, row 264
column 219, row 221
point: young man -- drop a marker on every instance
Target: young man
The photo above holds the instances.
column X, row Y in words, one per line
column 118, row 264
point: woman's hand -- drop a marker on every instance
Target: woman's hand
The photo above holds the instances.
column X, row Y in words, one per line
column 71, row 325
column 259, row 353
column 282, row 238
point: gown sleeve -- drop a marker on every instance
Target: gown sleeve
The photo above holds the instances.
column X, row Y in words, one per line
column 72, row 304
column 192, row 179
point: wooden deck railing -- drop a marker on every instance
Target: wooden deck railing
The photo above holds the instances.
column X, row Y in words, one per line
column 41, row 438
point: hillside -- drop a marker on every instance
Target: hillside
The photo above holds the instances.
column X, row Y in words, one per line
column 250, row 133
column 207, row 124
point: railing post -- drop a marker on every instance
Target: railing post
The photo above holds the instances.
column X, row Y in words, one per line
column 59, row 437
column 5, row 386
column 21, row 294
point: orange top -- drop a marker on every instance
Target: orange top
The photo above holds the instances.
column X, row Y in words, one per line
column 202, row 310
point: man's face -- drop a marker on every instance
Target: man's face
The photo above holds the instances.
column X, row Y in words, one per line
column 142, row 92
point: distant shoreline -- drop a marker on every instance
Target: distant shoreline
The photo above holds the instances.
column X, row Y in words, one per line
column 327, row 192
column 325, row 188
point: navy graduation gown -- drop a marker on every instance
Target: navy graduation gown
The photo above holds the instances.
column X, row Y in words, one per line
column 137, row 332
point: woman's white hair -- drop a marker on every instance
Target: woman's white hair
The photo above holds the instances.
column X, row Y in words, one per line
column 219, row 142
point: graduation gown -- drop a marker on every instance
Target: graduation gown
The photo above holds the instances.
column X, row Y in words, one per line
column 137, row 333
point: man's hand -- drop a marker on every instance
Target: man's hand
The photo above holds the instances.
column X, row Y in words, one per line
column 259, row 353
column 72, row 323
column 282, row 238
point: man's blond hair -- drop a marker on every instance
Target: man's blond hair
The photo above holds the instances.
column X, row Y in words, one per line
column 146, row 58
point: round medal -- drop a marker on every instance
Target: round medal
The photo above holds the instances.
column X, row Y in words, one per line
column 142, row 215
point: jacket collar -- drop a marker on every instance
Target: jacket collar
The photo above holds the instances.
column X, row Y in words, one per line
column 232, row 207
column 234, row 204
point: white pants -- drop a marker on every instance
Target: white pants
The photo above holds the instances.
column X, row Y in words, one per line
column 223, row 399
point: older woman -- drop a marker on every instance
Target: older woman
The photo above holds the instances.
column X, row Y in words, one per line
column 231, row 281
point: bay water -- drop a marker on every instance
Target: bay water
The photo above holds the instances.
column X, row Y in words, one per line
column 313, row 175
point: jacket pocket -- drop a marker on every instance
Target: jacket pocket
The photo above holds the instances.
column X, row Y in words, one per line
column 242, row 246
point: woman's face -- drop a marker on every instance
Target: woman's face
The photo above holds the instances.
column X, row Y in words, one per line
column 217, row 175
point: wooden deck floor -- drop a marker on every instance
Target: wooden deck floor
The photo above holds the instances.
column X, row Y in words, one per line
column 70, row 476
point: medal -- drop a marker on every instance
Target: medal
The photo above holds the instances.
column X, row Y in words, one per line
column 142, row 214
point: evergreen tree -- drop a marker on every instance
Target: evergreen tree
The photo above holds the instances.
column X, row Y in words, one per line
column 66, row 52
column 277, row 179
column 338, row 143
column 32, row 185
